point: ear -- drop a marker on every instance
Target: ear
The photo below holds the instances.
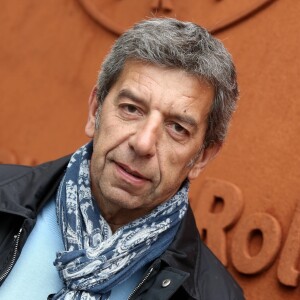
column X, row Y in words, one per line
column 207, row 155
column 93, row 106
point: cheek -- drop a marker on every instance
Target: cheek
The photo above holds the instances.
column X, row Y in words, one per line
column 177, row 162
column 175, row 157
column 110, row 132
column 111, row 140
column 95, row 169
column 171, row 166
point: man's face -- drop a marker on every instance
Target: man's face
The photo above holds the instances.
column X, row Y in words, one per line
column 152, row 125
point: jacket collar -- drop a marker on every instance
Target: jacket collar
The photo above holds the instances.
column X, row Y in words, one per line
column 185, row 251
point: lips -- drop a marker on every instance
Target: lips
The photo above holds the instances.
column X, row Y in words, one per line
column 131, row 172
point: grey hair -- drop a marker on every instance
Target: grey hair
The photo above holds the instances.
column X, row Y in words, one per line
column 178, row 45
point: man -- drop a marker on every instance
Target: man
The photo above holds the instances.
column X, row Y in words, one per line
column 157, row 116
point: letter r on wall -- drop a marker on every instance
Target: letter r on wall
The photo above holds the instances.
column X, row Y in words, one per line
column 219, row 206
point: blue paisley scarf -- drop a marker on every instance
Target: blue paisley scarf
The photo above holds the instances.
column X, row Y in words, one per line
column 95, row 259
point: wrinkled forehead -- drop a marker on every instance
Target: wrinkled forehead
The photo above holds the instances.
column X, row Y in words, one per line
column 163, row 69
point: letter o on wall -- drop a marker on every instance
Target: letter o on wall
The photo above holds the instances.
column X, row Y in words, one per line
column 270, row 230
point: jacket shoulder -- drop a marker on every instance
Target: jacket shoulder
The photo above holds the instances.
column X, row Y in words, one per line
column 12, row 172
column 216, row 282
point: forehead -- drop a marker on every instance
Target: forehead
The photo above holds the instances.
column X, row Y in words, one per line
column 136, row 69
column 165, row 88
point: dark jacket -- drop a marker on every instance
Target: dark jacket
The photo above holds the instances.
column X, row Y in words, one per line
column 186, row 270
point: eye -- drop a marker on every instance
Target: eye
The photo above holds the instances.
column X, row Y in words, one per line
column 129, row 108
column 178, row 128
column 129, row 111
column 177, row 131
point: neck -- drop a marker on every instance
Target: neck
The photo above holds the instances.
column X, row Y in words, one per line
column 117, row 217
column 114, row 227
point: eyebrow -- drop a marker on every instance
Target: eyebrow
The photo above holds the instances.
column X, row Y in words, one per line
column 125, row 93
column 185, row 119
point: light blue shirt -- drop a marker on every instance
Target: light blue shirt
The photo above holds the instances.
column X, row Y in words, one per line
column 34, row 276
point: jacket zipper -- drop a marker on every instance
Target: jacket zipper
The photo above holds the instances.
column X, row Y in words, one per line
column 14, row 256
column 140, row 284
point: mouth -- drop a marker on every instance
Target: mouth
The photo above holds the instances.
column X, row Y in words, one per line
column 133, row 173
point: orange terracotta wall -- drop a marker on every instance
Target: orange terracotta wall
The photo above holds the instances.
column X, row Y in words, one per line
column 247, row 202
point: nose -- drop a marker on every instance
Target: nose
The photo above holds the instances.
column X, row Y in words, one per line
column 144, row 140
